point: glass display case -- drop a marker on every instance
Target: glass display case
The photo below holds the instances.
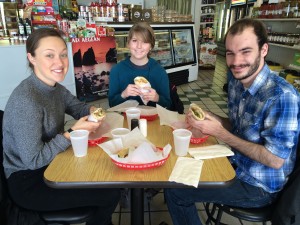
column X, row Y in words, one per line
column 174, row 49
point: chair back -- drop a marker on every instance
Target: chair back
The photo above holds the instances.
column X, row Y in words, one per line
column 287, row 210
column 176, row 104
column 3, row 187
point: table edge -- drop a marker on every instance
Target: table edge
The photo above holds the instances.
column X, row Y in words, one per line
column 135, row 184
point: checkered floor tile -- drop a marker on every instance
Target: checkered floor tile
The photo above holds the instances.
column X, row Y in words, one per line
column 207, row 91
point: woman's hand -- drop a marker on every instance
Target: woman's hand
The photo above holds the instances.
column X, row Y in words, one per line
column 150, row 95
column 131, row 90
column 84, row 124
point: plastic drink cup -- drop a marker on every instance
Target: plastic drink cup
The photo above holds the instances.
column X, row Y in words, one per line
column 79, row 140
column 182, row 139
column 119, row 132
column 132, row 113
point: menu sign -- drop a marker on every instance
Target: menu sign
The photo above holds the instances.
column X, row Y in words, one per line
column 208, row 55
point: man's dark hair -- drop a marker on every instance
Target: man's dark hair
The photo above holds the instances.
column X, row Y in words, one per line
column 259, row 30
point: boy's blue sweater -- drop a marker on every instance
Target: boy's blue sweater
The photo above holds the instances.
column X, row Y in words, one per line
column 124, row 73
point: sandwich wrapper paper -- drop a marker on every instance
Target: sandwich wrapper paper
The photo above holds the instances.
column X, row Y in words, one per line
column 209, row 152
column 111, row 121
column 168, row 117
column 141, row 150
column 92, row 118
column 123, row 106
column 145, row 110
column 187, row 171
column 176, row 121
column 143, row 89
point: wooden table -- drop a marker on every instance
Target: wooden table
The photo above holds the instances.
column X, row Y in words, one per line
column 96, row 170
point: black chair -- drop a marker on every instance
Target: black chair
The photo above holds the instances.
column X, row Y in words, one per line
column 215, row 213
column 284, row 211
column 68, row 216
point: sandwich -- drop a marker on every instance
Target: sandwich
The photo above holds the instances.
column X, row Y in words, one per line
column 197, row 112
column 141, row 81
column 97, row 115
column 123, row 153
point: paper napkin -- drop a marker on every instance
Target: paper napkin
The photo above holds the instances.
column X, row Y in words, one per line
column 147, row 110
column 123, row 106
column 140, row 152
column 212, row 151
column 144, row 89
column 134, row 138
column 187, row 171
column 111, row 121
column 168, row 117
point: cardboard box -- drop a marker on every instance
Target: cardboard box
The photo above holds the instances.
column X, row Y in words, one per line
column 136, row 14
column 147, row 15
column 141, row 15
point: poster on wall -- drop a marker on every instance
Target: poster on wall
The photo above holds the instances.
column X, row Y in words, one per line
column 93, row 59
column 208, row 56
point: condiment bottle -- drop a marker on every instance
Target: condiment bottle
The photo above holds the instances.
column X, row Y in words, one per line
column 143, row 126
column 134, row 123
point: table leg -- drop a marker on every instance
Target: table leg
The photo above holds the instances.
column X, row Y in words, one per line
column 137, row 206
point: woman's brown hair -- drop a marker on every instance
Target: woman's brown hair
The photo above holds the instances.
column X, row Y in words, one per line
column 33, row 40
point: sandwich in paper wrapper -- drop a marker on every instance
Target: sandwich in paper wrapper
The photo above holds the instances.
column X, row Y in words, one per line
column 142, row 82
column 97, row 115
column 197, row 112
column 134, row 148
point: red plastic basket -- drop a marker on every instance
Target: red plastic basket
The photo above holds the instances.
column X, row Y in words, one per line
column 198, row 140
column 97, row 141
column 147, row 117
column 135, row 166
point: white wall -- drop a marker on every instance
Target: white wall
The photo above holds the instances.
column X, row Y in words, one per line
column 14, row 70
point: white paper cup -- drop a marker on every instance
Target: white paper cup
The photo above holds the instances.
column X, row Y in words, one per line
column 119, row 132
column 79, row 140
column 132, row 113
column 182, row 139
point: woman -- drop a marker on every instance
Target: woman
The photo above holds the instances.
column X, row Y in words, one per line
column 33, row 132
column 121, row 85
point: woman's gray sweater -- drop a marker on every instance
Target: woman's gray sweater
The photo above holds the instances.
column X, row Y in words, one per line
column 33, row 124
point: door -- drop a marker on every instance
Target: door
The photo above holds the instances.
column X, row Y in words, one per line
column 183, row 46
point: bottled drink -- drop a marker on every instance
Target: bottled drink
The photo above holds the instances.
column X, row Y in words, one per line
column 21, row 27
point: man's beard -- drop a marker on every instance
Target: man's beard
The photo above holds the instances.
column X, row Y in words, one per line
column 252, row 68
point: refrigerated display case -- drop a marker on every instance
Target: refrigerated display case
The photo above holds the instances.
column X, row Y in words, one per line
column 174, row 49
column 227, row 12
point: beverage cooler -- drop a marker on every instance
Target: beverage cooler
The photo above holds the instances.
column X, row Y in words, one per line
column 174, row 49
column 227, row 12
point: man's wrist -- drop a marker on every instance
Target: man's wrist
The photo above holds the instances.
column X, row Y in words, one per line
column 70, row 130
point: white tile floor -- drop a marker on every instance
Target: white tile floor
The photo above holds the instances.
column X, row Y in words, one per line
column 208, row 92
